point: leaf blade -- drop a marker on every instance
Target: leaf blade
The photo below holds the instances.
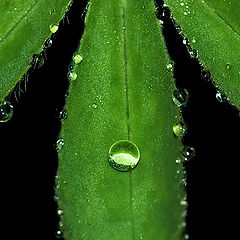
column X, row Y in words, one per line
column 120, row 56
column 217, row 43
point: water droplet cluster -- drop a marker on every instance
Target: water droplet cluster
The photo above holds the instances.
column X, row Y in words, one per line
column 123, row 155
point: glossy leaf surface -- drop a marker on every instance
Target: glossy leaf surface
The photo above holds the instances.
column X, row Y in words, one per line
column 123, row 91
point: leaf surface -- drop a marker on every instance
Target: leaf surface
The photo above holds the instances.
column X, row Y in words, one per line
column 123, row 92
column 24, row 27
column 213, row 27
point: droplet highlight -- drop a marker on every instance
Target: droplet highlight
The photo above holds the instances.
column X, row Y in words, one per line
column 53, row 28
column 188, row 153
column 180, row 97
column 77, row 58
column 179, row 129
column 221, row 96
column 6, row 111
column 124, row 155
column 59, row 144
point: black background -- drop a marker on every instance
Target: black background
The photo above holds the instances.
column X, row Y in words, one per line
column 29, row 159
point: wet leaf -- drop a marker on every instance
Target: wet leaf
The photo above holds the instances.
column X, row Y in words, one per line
column 212, row 27
column 121, row 90
column 24, row 27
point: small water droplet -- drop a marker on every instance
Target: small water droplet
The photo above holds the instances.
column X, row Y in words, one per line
column 228, row 66
column 184, row 202
column 72, row 76
column 59, row 234
column 182, row 4
column 48, row 43
column 185, row 13
column 6, row 111
column 63, row 115
column 194, row 53
column 179, row 129
column 53, row 28
column 37, row 61
column 124, row 155
column 94, row 105
column 170, row 67
column 59, row 144
column 60, row 212
column 194, row 40
column 180, row 97
column 186, row 236
column 221, row 96
column 188, row 153
column 205, row 75
column 77, row 58
column 178, row 160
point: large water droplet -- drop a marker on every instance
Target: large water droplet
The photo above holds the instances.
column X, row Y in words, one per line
column 77, row 58
column 180, row 97
column 59, row 144
column 53, row 28
column 6, row 111
column 188, row 153
column 221, row 96
column 179, row 129
column 124, row 155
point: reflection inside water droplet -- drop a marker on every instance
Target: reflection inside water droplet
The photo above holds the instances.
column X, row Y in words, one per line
column 180, row 97
column 188, row 153
column 6, row 111
column 72, row 76
column 77, row 58
column 37, row 61
column 179, row 129
column 53, row 28
column 124, row 155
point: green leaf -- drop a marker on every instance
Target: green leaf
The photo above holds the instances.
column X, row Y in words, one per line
column 24, row 27
column 213, row 27
column 123, row 91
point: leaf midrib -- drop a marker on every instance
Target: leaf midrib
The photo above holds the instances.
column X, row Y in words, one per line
column 127, row 108
column 19, row 20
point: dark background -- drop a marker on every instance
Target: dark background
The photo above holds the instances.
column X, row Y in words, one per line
column 27, row 143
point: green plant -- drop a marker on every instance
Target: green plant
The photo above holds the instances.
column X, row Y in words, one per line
column 148, row 81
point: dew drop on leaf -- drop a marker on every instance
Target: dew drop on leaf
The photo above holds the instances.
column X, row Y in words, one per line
column 170, row 67
column 6, row 111
column 179, row 129
column 48, row 43
column 124, row 155
column 228, row 66
column 63, row 115
column 59, row 144
column 188, row 153
column 72, row 76
column 180, row 97
column 53, row 28
column 77, row 58
column 221, row 96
